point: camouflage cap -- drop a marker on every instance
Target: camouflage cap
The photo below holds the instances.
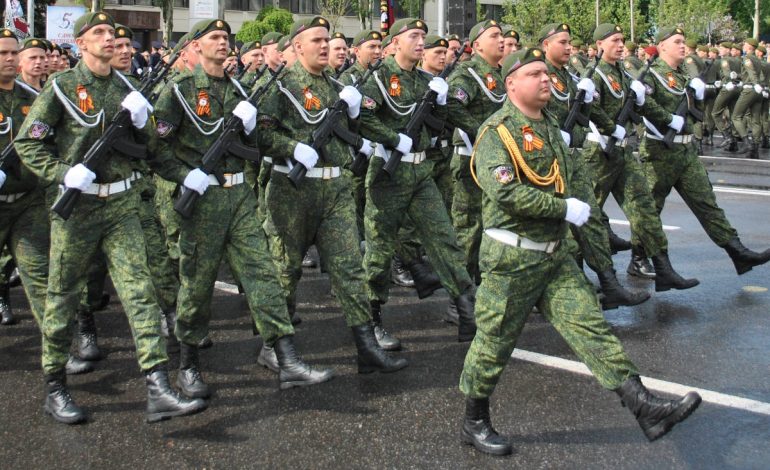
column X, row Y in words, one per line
column 762, row 49
column 481, row 28
column 338, row 35
column 703, row 49
column 366, row 35
column 665, row 33
column 31, row 43
column 271, row 38
column 7, row 33
column 521, row 58
column 751, row 42
column 123, row 31
column 576, row 43
column 307, row 23
column 454, row 37
column 631, row 45
column 405, row 24
column 89, row 20
column 250, row 46
column 434, row 40
column 284, row 43
column 551, row 29
column 204, row 27
column 508, row 32
column 605, row 30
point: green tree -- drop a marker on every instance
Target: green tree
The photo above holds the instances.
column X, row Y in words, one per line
column 694, row 16
column 528, row 17
column 269, row 19
column 167, row 11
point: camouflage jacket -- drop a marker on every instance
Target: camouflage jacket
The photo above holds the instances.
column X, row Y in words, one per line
column 694, row 66
column 78, row 105
column 665, row 87
column 632, row 65
column 476, row 90
column 353, row 74
column 15, row 104
column 751, row 70
column 563, row 91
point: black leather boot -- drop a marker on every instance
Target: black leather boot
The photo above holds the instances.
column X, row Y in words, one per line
column 754, row 152
column 6, row 314
column 58, row 401
column 640, row 266
column 88, row 349
column 656, row 416
column 425, row 280
column 743, row 258
column 205, row 343
column 614, row 295
column 168, row 323
column 102, row 303
column 294, row 372
column 371, row 357
column 163, row 402
column 399, row 274
column 745, row 147
column 618, row 244
column 268, row 359
column 450, row 316
column 666, row 278
column 726, row 143
column 77, row 366
column 386, row 341
column 466, row 329
column 477, row 429
column 189, row 379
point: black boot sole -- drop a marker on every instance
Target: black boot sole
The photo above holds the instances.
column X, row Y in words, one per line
column 305, row 383
column 368, row 369
column 606, row 305
column 75, row 420
column 667, row 287
column 466, row 438
column 690, row 403
column 165, row 415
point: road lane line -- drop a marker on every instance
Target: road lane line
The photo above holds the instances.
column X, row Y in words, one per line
column 744, row 191
column 627, row 223
column 710, row 396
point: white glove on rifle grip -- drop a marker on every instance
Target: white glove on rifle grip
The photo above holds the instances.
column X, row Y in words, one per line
column 718, row 84
column 677, row 123
column 588, row 85
column 730, row 86
column 247, row 113
column 620, row 132
column 136, row 104
column 197, row 181
column 640, row 91
column 404, row 144
column 79, row 177
column 566, row 137
column 441, row 87
column 577, row 211
column 699, row 87
column 305, row 155
column 758, row 89
column 353, row 98
column 366, row 148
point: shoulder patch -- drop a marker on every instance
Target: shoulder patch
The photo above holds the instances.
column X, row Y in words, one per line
column 265, row 122
column 503, row 174
column 460, row 95
column 38, row 129
column 163, row 128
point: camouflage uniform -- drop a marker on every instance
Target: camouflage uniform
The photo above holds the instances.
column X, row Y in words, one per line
column 725, row 100
column 749, row 104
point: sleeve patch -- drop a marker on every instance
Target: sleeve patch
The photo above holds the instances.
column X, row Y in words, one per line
column 503, row 174
column 38, row 129
column 163, row 128
column 461, row 96
column 369, row 103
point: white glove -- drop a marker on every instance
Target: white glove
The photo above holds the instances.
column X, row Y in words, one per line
column 367, row 148
column 699, row 87
column 139, row 107
column 353, row 98
column 588, row 85
column 758, row 89
column 441, row 87
column 566, row 137
column 305, row 155
column 79, row 177
column 640, row 91
column 577, row 212
column 718, row 84
column 2, row 178
column 730, row 86
column 247, row 113
column 765, row 94
column 733, row 75
column 677, row 122
column 196, row 180
column 620, row 132
column 404, row 144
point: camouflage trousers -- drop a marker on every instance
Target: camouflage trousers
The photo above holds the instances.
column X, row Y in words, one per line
column 442, row 172
column 513, row 281
column 24, row 230
column 223, row 225
column 621, row 175
column 723, row 105
column 110, row 225
column 168, row 217
column 466, row 212
column 747, row 111
column 321, row 213
column 681, row 169
column 411, row 192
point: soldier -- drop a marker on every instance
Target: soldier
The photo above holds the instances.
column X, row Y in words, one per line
column 271, row 53
column 527, row 205
column 387, row 48
column 695, row 67
column 577, row 60
column 338, row 51
column 511, row 43
column 727, row 83
column 455, row 44
column 749, row 104
column 288, row 55
column 32, row 63
column 680, row 167
column 252, row 58
column 765, row 112
column 104, row 219
column 710, row 76
column 321, row 209
column 410, row 190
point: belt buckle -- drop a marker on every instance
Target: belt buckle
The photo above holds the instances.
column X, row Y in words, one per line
column 103, row 190
column 228, row 180
column 326, row 172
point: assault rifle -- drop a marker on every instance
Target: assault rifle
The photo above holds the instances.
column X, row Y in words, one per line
column 685, row 107
column 575, row 116
column 627, row 113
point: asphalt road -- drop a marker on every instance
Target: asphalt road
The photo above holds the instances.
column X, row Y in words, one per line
column 712, row 337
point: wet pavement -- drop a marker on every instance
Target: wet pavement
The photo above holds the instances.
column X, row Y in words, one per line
column 714, row 337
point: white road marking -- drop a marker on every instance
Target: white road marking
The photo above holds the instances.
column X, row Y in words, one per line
column 627, row 223
column 223, row 286
column 716, row 398
column 745, row 191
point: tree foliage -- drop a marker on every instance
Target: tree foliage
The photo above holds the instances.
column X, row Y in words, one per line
column 269, row 19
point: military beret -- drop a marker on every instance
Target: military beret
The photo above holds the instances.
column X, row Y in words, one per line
column 405, row 24
column 156, row 44
column 726, row 44
column 510, row 33
column 735, row 45
column 31, row 43
column 482, row 27
column 576, row 43
column 605, row 30
column 183, row 42
column 307, row 23
column 122, row 31
column 631, row 45
column 714, row 50
column 250, row 46
column 56, row 47
column 691, row 43
column 752, row 42
column 551, row 29
column 338, row 35
column 172, row 44
column 204, row 27
column 762, row 49
column 665, row 33
column 271, row 38
column 386, row 41
column 284, row 43
column 7, row 33
column 366, row 35
column 89, row 20
column 454, row 37
column 520, row 58
column 651, row 50
column 702, row 49
column 434, row 40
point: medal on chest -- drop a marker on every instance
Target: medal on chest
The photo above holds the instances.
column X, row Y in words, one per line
column 311, row 101
column 671, row 80
column 395, row 86
column 531, row 140
column 2, row 117
column 491, row 82
column 204, row 104
column 557, row 83
column 85, row 103
column 613, row 83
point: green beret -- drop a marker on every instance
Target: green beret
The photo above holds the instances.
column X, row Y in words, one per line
column 665, row 33
column 631, row 45
column 338, row 35
column 510, row 33
column 386, row 41
column 89, row 20
column 762, row 49
column 605, row 30
column 714, row 50
column 271, row 38
column 434, row 40
column 405, row 24
column 691, row 43
column 7, row 33
column 480, row 28
column 520, row 58
column 551, row 29
column 250, row 46
column 122, row 31
column 726, row 44
column 366, row 35
column 31, row 43
column 576, row 42
column 203, row 27
column 702, row 49
column 284, row 43
column 736, row 45
column 454, row 37
column 307, row 23
column 752, row 42
column 183, row 42
column 56, row 47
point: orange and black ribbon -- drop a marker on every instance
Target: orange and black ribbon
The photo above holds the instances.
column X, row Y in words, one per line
column 556, row 83
column 614, row 83
column 671, row 80
column 491, row 82
column 204, row 104
column 531, row 140
column 310, row 100
column 85, row 103
column 395, row 86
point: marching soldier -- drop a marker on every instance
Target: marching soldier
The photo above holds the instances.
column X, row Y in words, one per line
column 631, row 63
column 285, row 47
column 511, row 43
column 252, row 58
column 727, row 83
column 338, row 52
column 526, row 176
column 455, row 44
column 710, row 76
column 749, row 104
column 765, row 112
column 32, row 63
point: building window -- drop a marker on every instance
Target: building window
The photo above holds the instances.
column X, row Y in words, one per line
column 181, row 3
column 491, row 12
column 307, row 7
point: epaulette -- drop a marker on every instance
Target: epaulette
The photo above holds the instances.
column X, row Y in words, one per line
column 181, row 76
